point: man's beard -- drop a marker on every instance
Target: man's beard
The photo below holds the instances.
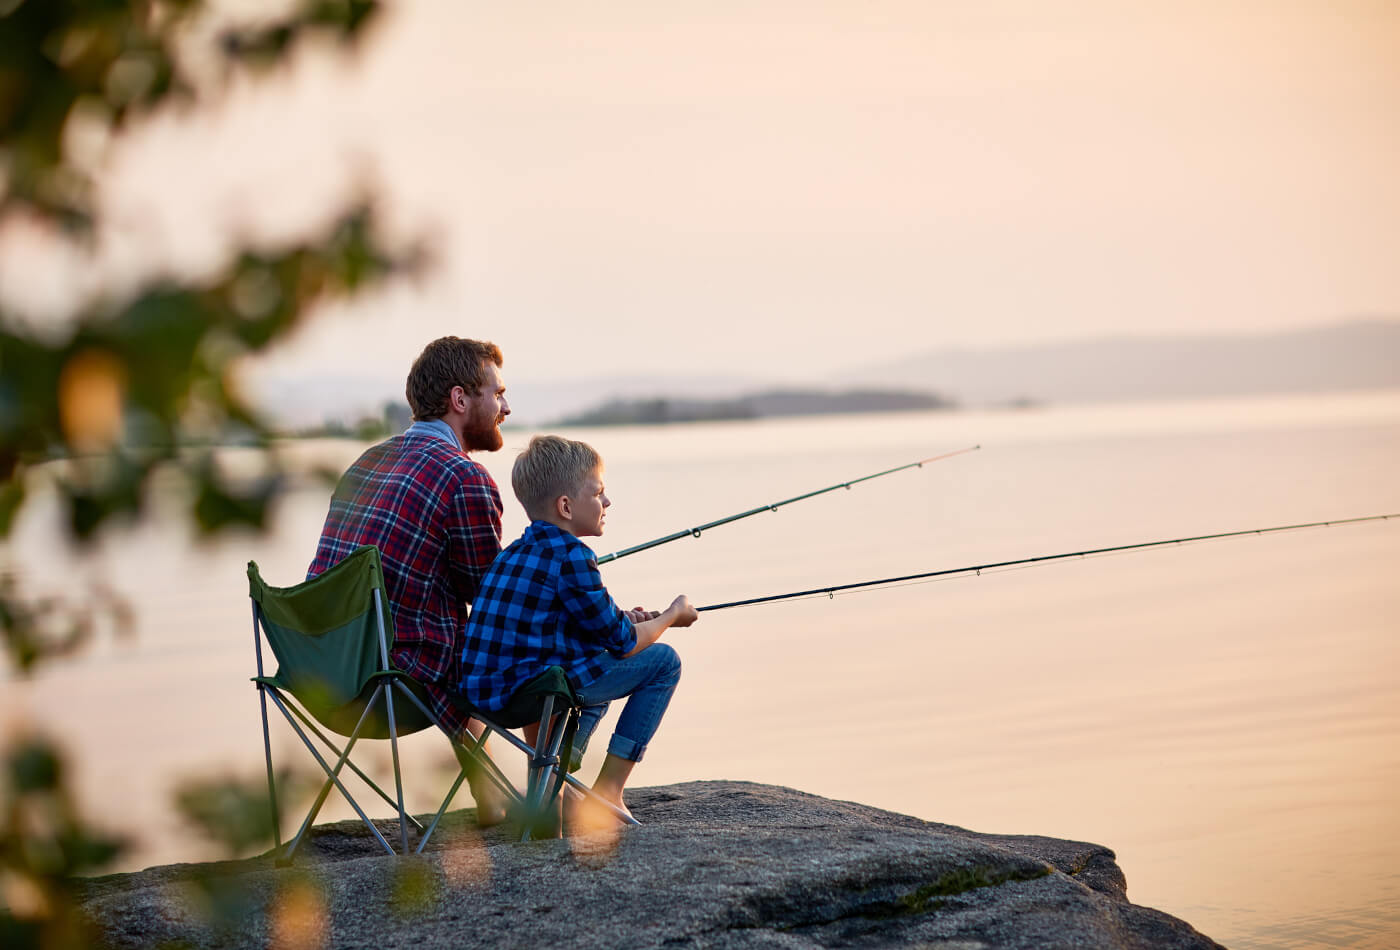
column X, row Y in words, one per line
column 482, row 435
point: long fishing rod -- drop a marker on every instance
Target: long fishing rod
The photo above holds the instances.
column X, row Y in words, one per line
column 697, row 530
column 979, row 568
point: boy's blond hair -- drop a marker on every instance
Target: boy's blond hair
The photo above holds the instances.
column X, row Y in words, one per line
column 549, row 467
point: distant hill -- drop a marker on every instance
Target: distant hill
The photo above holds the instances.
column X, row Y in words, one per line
column 775, row 402
column 1359, row 355
column 1362, row 354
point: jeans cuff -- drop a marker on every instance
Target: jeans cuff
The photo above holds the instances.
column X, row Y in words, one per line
column 625, row 748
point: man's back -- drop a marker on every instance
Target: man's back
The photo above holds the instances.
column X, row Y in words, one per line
column 435, row 516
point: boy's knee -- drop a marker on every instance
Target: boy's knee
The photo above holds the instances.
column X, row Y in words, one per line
column 668, row 661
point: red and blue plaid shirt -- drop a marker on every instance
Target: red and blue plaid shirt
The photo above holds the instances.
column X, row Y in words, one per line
column 435, row 516
column 541, row 604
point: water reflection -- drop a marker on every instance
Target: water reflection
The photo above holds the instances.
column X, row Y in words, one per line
column 1224, row 716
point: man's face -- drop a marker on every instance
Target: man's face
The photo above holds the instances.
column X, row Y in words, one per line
column 485, row 412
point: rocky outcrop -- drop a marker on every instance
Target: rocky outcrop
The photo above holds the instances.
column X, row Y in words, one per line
column 714, row 865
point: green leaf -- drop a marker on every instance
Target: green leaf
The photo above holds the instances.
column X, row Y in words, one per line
column 33, row 766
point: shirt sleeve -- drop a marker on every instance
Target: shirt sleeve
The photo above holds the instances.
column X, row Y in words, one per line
column 591, row 609
column 473, row 531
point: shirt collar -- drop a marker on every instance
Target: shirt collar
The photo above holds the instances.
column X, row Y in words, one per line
column 543, row 529
column 540, row 528
column 436, row 428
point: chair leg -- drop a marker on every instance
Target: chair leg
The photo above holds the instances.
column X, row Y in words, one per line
column 556, row 762
column 333, row 778
column 476, row 749
column 398, row 776
column 475, row 752
column 336, row 750
column 271, row 783
column 538, row 770
column 343, row 758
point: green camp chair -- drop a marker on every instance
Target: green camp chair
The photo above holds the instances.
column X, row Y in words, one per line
column 331, row 637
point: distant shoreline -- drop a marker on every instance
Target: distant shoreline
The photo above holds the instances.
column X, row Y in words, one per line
column 773, row 403
column 1359, row 354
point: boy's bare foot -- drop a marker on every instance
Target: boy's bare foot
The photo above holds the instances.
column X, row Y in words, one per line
column 584, row 815
column 621, row 806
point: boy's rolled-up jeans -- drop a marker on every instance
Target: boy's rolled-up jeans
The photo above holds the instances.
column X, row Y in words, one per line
column 647, row 680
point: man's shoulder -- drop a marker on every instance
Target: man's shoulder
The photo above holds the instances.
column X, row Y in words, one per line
column 425, row 456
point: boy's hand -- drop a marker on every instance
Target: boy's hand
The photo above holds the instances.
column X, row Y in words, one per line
column 685, row 614
column 679, row 614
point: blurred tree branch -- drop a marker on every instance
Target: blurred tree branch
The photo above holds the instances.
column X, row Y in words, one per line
column 101, row 62
column 44, row 844
column 145, row 383
column 138, row 389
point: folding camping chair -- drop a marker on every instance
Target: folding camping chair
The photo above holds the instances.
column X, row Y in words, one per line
column 331, row 637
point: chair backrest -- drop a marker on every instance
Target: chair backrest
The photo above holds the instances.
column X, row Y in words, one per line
column 326, row 636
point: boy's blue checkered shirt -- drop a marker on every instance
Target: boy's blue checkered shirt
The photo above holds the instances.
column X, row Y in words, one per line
column 542, row 603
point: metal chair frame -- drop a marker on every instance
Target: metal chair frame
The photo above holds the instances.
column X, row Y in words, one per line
column 543, row 758
column 385, row 689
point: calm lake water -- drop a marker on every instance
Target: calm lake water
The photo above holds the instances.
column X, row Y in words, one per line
column 1225, row 715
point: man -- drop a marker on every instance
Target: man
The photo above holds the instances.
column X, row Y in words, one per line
column 435, row 516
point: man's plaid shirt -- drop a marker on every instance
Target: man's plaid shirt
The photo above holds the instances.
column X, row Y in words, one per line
column 435, row 516
column 541, row 604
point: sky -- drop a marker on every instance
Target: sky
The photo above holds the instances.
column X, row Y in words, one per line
column 788, row 189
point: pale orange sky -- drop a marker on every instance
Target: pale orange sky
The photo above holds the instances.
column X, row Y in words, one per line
column 788, row 188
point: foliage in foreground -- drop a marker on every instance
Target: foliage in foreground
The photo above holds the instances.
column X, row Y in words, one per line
column 138, row 390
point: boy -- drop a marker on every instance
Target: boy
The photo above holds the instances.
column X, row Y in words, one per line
column 542, row 603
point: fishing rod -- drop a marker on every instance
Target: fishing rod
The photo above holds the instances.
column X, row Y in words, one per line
column 696, row 531
column 979, row 568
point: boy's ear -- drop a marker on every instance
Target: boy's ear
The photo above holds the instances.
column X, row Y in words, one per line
column 563, row 507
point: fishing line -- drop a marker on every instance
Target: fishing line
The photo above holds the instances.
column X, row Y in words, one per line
column 876, row 587
column 1022, row 563
column 700, row 529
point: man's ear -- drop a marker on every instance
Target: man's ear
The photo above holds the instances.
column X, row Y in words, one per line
column 564, row 507
column 457, row 399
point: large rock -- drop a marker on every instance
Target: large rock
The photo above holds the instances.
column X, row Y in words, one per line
column 714, row 864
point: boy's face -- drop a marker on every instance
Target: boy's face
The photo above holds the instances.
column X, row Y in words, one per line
column 588, row 504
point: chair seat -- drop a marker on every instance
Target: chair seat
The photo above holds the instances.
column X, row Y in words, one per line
column 523, row 709
column 527, row 703
column 341, row 718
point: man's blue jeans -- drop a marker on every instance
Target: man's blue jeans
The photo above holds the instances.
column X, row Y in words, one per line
column 647, row 680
